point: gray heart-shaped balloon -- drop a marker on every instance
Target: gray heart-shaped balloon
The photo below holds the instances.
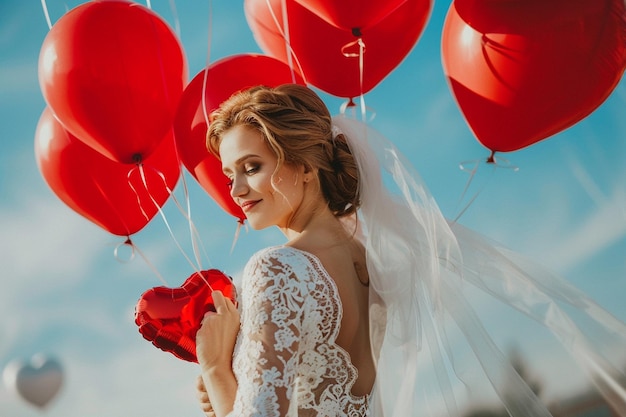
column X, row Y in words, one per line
column 37, row 381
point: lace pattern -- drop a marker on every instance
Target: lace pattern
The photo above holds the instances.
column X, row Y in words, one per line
column 286, row 360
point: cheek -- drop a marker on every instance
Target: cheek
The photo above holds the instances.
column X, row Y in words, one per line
column 268, row 185
column 287, row 189
column 259, row 182
column 294, row 194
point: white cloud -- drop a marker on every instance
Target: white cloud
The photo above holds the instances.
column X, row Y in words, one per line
column 135, row 380
column 600, row 229
column 40, row 237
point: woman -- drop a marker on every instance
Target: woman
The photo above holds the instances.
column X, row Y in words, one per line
column 368, row 295
column 305, row 304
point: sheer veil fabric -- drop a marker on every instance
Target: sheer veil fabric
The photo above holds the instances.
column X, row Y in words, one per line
column 424, row 271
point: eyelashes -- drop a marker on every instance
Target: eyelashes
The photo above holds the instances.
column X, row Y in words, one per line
column 248, row 171
column 252, row 170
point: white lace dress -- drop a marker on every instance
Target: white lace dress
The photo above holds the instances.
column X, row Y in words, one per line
column 286, row 361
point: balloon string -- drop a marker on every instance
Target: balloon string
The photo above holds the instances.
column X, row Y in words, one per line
column 162, row 214
column 361, row 96
column 491, row 160
column 162, row 69
column 284, row 32
column 205, row 77
column 288, row 40
column 240, row 224
column 150, row 265
column 206, row 282
column 196, row 242
column 46, row 14
column 137, row 197
column 348, row 108
column 148, row 4
column 112, row 206
column 467, row 186
column 346, row 51
column 128, row 241
column 195, row 235
column 193, row 232
column 135, row 248
column 176, row 19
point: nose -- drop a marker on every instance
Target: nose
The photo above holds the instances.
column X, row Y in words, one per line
column 238, row 187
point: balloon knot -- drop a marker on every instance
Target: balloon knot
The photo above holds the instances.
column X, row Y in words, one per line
column 357, row 32
column 137, row 159
column 492, row 158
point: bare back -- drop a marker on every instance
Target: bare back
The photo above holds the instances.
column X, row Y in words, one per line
column 345, row 263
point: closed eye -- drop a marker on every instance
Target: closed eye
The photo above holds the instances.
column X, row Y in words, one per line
column 247, row 169
column 252, row 169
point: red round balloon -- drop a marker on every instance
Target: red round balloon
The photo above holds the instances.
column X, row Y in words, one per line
column 171, row 317
column 352, row 14
column 113, row 72
column 522, row 71
column 110, row 194
column 318, row 46
column 219, row 81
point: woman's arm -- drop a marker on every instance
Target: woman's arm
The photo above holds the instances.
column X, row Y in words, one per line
column 215, row 342
column 273, row 298
column 275, row 292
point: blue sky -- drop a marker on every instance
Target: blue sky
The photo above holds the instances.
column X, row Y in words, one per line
column 64, row 293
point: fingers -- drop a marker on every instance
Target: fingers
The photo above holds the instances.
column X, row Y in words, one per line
column 203, row 397
column 221, row 303
column 200, row 384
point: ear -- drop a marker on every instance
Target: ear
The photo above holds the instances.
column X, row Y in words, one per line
column 309, row 169
column 309, row 173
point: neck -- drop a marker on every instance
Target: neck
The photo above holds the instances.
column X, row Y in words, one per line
column 318, row 220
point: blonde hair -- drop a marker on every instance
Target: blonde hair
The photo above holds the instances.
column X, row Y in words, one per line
column 296, row 125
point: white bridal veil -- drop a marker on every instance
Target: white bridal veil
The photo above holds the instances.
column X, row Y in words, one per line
column 427, row 271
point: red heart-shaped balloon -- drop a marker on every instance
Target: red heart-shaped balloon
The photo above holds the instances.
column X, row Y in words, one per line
column 522, row 71
column 322, row 50
column 170, row 317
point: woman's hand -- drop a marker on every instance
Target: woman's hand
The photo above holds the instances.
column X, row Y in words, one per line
column 215, row 340
column 203, row 398
column 215, row 343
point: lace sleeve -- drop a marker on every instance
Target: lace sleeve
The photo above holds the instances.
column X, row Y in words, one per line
column 266, row 360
